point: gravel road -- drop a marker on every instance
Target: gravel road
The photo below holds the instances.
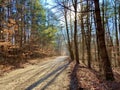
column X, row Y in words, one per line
column 46, row 75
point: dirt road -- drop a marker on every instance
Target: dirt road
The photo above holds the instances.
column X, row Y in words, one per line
column 47, row 75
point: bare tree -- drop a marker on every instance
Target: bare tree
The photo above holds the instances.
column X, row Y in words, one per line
column 74, row 2
column 67, row 30
column 101, row 43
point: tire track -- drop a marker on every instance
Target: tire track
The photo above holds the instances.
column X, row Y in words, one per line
column 12, row 78
column 37, row 76
column 33, row 73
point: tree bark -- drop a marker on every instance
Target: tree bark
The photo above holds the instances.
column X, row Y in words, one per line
column 83, row 40
column 116, row 30
column 69, row 45
column 108, row 73
column 75, row 33
column 88, row 37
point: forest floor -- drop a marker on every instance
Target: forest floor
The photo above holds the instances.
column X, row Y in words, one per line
column 89, row 79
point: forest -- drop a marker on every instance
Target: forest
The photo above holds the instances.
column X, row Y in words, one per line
column 24, row 29
column 92, row 32
column 87, row 31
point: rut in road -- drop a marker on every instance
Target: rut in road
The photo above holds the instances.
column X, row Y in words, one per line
column 56, row 72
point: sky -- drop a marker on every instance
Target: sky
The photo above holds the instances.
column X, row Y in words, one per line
column 49, row 3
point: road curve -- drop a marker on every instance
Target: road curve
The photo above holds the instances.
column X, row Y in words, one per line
column 47, row 75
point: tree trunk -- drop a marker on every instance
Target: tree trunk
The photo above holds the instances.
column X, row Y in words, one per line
column 69, row 45
column 119, row 21
column 83, row 40
column 101, row 44
column 75, row 33
column 88, row 38
column 71, row 29
column 116, row 30
column 83, row 33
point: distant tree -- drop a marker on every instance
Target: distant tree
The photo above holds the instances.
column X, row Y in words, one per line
column 65, row 3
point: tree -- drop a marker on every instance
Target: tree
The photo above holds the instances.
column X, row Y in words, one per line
column 101, row 44
column 74, row 2
column 88, row 35
column 67, row 30
column 116, row 31
column 81, row 16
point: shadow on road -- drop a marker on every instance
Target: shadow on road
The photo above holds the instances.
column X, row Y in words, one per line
column 56, row 71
